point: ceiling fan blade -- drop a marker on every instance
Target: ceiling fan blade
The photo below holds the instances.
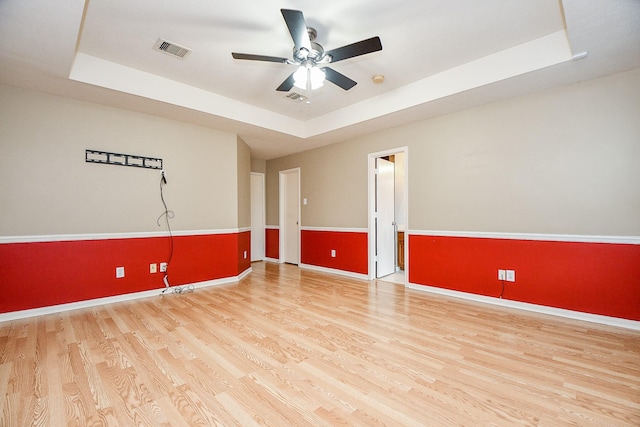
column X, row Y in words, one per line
column 286, row 85
column 355, row 49
column 297, row 27
column 338, row 79
column 258, row 57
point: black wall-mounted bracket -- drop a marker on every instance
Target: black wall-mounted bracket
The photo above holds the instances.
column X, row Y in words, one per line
column 93, row 156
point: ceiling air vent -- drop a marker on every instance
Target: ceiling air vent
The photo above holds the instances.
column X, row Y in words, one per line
column 172, row 49
column 296, row 97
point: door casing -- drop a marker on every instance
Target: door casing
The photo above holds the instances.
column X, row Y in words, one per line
column 258, row 215
column 290, row 214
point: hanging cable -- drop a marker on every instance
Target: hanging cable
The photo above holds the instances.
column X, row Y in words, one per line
column 167, row 214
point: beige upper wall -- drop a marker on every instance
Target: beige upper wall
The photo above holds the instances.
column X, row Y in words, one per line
column 333, row 179
column 244, row 184
column 562, row 161
column 258, row 165
column 47, row 188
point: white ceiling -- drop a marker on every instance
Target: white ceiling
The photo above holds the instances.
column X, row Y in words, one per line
column 437, row 57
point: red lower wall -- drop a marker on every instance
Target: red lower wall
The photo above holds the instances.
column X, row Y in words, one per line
column 272, row 243
column 244, row 251
column 34, row 275
column 597, row 278
column 351, row 250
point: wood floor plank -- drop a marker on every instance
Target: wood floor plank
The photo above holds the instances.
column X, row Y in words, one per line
column 286, row 346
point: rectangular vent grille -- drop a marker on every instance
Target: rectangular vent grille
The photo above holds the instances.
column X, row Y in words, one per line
column 296, row 97
column 172, row 49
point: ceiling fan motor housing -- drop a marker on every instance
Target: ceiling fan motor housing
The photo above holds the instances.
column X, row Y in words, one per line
column 317, row 51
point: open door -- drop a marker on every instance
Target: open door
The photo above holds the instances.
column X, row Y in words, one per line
column 385, row 225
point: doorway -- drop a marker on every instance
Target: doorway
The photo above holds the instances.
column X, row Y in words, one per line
column 290, row 216
column 387, row 179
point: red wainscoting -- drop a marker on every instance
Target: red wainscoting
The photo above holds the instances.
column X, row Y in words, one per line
column 41, row 274
column 244, row 245
column 272, row 243
column 597, row 278
column 351, row 250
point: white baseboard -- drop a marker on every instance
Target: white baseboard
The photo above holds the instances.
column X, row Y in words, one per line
column 334, row 271
column 22, row 314
column 276, row 260
column 244, row 274
column 560, row 312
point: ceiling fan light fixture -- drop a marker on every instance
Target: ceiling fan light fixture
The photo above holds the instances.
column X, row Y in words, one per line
column 308, row 77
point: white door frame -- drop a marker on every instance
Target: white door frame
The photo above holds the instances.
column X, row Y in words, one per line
column 282, row 213
column 372, row 207
column 260, row 256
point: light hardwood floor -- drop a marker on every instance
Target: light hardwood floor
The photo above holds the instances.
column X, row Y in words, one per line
column 296, row 347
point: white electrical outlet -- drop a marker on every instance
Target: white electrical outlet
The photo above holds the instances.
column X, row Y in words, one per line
column 511, row 275
column 502, row 275
column 119, row 272
column 163, row 267
column 153, row 268
column 333, row 253
column 245, row 254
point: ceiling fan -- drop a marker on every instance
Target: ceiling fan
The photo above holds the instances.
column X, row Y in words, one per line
column 311, row 58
